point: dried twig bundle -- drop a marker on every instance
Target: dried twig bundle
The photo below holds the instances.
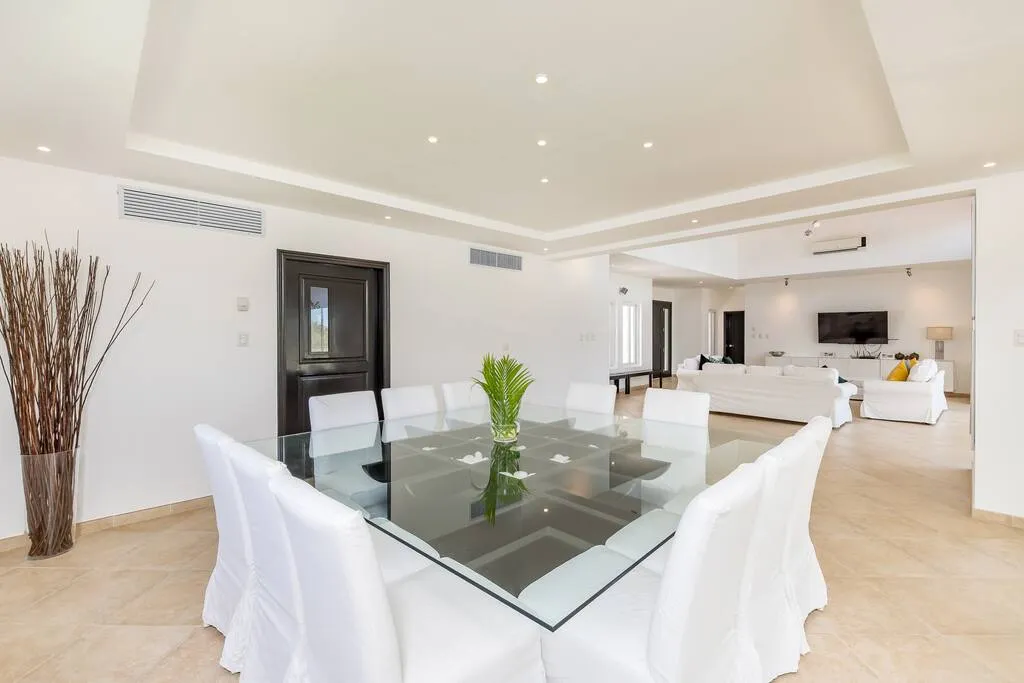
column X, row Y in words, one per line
column 49, row 313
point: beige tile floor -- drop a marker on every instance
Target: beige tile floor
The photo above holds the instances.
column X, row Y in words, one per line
column 919, row 590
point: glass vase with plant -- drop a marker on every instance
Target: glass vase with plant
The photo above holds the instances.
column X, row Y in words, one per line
column 505, row 381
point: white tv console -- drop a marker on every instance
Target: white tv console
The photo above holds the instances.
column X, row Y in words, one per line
column 859, row 369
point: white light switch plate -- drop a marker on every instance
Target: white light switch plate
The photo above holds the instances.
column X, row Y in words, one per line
column 1018, row 337
column 243, row 338
column 242, row 304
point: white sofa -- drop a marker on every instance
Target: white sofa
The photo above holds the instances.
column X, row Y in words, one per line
column 787, row 393
column 919, row 399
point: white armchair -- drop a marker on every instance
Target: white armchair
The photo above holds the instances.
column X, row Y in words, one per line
column 905, row 401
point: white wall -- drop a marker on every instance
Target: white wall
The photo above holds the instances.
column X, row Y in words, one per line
column 785, row 318
column 178, row 364
column 641, row 291
column 714, row 255
column 999, row 291
column 687, row 321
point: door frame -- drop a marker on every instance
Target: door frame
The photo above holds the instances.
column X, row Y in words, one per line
column 383, row 269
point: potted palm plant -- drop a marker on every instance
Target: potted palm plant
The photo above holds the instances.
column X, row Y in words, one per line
column 49, row 314
column 505, row 381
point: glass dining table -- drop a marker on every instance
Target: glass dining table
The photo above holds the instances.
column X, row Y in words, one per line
column 508, row 517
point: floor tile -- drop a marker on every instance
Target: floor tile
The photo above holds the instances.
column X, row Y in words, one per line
column 20, row 587
column 26, row 645
column 859, row 606
column 919, row 659
column 959, row 606
column 1002, row 654
column 829, row 661
column 93, row 595
column 111, row 654
column 176, row 599
column 169, row 549
column 194, row 661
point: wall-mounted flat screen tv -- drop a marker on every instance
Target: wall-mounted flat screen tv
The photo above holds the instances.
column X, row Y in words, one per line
column 870, row 327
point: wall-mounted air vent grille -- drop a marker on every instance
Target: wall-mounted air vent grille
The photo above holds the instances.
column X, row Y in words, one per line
column 169, row 208
column 495, row 259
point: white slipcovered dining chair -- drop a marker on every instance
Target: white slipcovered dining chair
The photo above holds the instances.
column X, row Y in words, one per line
column 802, row 568
column 342, row 410
column 343, row 438
column 688, row 625
column 679, row 407
column 402, row 402
column 462, row 395
column 591, row 398
column 232, row 572
column 428, row 627
column 775, row 619
column 270, row 632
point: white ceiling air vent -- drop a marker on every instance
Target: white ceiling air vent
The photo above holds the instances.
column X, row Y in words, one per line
column 495, row 259
column 169, row 208
column 843, row 244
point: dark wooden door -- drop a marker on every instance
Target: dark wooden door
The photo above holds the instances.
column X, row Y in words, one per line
column 332, row 331
column 661, row 326
column 734, row 335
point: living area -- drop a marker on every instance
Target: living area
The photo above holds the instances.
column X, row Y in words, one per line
column 853, row 302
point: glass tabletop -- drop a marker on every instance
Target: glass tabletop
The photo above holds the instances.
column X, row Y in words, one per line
column 526, row 522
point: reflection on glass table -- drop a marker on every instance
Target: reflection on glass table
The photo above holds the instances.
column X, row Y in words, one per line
column 504, row 517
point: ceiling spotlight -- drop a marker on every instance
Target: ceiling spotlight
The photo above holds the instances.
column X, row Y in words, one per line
column 786, row 281
column 648, row 145
column 910, row 273
column 542, row 143
column 695, row 220
column 387, row 218
column 544, row 180
column 43, row 148
column 541, row 78
column 989, row 164
column 432, row 139
column 700, row 282
column 545, row 248
column 816, row 224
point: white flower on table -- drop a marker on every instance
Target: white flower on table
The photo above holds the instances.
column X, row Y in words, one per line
column 519, row 474
column 472, row 459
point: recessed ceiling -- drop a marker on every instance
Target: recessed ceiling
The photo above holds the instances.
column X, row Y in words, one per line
column 756, row 108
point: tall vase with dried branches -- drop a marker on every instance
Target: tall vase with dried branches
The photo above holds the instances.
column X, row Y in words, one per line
column 49, row 314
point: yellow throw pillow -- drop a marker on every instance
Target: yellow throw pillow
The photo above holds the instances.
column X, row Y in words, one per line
column 899, row 373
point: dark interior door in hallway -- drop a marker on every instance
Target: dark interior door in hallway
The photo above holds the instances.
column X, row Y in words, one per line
column 733, row 322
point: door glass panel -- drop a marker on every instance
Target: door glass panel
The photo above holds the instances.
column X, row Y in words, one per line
column 319, row 321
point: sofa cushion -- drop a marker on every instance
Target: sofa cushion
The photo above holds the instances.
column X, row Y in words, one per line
column 829, row 375
column 764, row 370
column 901, row 372
column 725, row 368
column 690, row 363
column 923, row 371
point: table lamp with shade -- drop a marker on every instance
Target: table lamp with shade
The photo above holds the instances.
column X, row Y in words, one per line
column 939, row 335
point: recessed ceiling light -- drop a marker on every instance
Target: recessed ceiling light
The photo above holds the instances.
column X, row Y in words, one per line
column 387, row 218
column 544, row 180
column 43, row 148
column 432, row 140
column 542, row 143
column 695, row 220
column 541, row 78
column 545, row 248
column 648, row 145
column 700, row 282
column 990, row 164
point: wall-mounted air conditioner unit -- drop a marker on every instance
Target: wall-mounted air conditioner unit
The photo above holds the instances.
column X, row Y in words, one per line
column 843, row 244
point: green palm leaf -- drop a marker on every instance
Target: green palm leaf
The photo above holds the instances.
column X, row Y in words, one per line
column 505, row 381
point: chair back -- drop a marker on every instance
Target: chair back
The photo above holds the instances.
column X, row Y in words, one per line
column 408, row 401
column 680, row 407
column 350, row 632
column 233, row 545
column 462, row 395
column 275, row 570
column 814, row 436
column 699, row 631
column 591, row 398
column 341, row 410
